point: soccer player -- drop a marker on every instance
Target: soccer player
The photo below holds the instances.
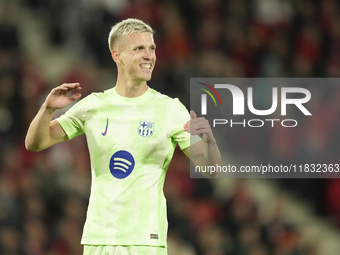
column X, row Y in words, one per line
column 131, row 132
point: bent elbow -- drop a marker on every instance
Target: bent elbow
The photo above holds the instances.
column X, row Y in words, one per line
column 31, row 147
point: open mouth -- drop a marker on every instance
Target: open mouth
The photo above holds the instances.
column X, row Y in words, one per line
column 145, row 66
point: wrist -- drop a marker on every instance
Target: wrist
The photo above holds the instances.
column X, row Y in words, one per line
column 47, row 108
column 211, row 141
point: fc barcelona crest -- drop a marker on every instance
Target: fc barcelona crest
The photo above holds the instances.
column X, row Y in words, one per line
column 145, row 128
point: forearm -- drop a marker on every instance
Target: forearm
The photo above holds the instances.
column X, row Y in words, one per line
column 43, row 133
column 38, row 133
column 204, row 153
column 211, row 157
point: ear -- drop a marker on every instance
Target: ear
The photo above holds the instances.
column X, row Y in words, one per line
column 115, row 56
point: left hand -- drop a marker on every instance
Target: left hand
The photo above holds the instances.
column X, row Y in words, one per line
column 201, row 127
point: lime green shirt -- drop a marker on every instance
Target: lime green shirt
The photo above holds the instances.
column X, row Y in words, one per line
column 131, row 142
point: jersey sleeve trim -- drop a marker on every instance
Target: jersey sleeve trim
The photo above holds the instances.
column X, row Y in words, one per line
column 67, row 125
column 193, row 140
column 73, row 121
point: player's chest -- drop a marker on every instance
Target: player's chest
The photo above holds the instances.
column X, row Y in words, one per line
column 133, row 124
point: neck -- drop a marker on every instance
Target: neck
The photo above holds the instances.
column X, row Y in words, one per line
column 130, row 88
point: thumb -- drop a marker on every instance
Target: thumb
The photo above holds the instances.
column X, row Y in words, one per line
column 193, row 114
column 75, row 97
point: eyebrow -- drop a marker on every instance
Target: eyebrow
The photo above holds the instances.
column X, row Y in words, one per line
column 143, row 46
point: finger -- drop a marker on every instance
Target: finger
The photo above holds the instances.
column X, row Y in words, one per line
column 69, row 86
column 75, row 85
column 200, row 128
column 58, row 91
column 199, row 123
column 186, row 126
column 75, row 97
column 63, row 90
column 195, row 122
column 200, row 132
column 61, row 87
column 75, row 88
column 193, row 114
column 198, row 120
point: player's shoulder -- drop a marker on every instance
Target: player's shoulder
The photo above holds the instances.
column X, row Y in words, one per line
column 162, row 97
column 173, row 104
column 98, row 96
column 101, row 95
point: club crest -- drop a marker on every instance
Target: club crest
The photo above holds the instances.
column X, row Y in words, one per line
column 146, row 128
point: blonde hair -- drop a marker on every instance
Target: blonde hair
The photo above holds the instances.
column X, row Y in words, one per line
column 126, row 27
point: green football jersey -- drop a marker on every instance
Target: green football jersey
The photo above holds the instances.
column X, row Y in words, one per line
column 131, row 142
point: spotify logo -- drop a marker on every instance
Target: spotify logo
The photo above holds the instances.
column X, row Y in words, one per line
column 121, row 164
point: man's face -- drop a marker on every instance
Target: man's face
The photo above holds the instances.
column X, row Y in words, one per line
column 137, row 56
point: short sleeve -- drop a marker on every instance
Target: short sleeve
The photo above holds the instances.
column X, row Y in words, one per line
column 73, row 120
column 180, row 116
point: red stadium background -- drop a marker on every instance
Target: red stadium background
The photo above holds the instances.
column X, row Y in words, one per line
column 43, row 196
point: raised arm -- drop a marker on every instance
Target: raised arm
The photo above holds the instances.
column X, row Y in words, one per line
column 205, row 152
column 43, row 133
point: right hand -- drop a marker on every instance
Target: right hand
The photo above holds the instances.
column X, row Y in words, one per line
column 58, row 97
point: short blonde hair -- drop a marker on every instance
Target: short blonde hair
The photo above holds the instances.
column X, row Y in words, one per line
column 126, row 27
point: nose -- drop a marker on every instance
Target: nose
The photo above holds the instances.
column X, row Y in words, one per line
column 149, row 54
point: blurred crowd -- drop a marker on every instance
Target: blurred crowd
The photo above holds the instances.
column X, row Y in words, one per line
column 43, row 196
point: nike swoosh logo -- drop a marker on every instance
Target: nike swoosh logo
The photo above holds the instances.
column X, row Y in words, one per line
column 107, row 124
